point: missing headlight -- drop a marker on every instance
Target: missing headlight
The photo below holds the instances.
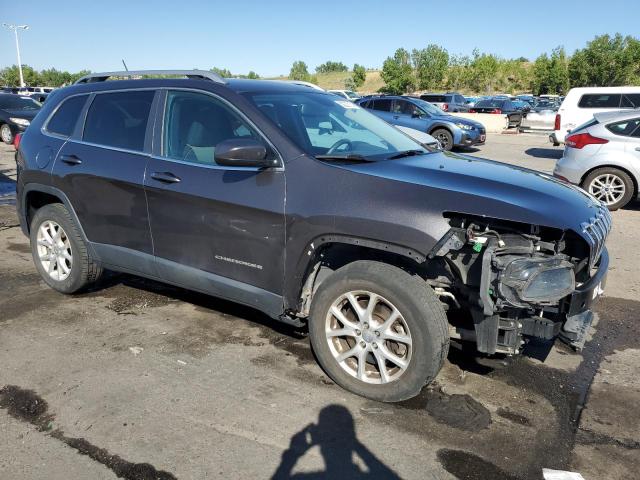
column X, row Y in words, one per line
column 536, row 280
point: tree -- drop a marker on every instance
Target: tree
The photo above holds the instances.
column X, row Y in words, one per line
column 253, row 75
column 330, row 66
column 223, row 72
column 606, row 61
column 299, row 71
column 359, row 76
column 10, row 76
column 430, row 66
column 458, row 72
column 484, row 68
column 397, row 73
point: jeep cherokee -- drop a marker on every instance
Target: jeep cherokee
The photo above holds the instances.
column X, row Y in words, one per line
column 313, row 211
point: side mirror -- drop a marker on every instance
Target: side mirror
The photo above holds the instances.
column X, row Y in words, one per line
column 242, row 152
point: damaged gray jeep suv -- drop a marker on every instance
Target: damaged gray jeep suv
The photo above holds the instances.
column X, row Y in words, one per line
column 310, row 209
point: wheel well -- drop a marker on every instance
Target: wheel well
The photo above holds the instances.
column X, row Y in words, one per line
column 36, row 200
column 616, row 167
column 332, row 256
column 440, row 127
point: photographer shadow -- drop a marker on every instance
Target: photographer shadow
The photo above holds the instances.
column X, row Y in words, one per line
column 335, row 435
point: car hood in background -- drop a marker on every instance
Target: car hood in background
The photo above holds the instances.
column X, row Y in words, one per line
column 455, row 119
column 466, row 184
column 27, row 114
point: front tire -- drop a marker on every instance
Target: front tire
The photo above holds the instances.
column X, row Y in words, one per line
column 5, row 134
column 59, row 251
column 444, row 137
column 378, row 331
column 610, row 185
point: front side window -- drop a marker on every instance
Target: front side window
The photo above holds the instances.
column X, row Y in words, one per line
column 604, row 100
column 119, row 119
column 194, row 123
column 626, row 128
column 630, row 100
column 320, row 124
column 65, row 118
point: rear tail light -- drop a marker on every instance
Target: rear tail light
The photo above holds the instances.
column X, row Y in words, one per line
column 471, row 110
column 556, row 124
column 16, row 140
column 496, row 110
column 579, row 140
column 445, row 107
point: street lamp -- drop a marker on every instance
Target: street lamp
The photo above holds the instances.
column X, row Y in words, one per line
column 15, row 31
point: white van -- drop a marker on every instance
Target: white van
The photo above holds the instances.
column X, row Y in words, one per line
column 580, row 104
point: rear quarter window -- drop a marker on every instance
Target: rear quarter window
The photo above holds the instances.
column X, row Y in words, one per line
column 600, row 100
column 119, row 119
column 626, row 128
column 66, row 116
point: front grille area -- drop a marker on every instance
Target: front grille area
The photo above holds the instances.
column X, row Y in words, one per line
column 596, row 230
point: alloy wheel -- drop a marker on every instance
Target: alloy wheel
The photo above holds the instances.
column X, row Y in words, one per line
column 443, row 139
column 368, row 337
column 5, row 134
column 54, row 250
column 608, row 188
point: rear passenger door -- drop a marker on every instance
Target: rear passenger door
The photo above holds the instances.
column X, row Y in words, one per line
column 101, row 169
column 215, row 228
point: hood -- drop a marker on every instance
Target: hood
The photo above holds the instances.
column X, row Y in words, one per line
column 26, row 114
column 469, row 185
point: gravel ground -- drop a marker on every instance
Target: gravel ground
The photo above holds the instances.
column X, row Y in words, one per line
column 138, row 380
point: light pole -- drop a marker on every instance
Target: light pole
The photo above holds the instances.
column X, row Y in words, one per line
column 15, row 31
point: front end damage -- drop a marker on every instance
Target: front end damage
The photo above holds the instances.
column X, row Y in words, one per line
column 504, row 283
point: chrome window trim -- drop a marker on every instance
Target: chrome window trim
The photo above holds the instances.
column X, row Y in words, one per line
column 163, row 107
column 108, row 147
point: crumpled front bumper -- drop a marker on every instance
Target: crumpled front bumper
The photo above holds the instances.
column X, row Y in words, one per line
column 580, row 314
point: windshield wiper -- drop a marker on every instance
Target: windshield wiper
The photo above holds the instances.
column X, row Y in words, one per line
column 352, row 157
column 407, row 153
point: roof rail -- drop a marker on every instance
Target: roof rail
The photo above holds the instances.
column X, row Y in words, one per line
column 201, row 74
column 305, row 84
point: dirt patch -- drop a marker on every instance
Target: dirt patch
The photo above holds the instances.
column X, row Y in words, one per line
column 467, row 466
column 27, row 406
column 513, row 417
column 19, row 247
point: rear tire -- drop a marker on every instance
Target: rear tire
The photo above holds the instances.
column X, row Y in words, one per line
column 59, row 251
column 444, row 137
column 410, row 350
column 612, row 186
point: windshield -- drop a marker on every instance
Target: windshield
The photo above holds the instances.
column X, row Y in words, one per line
column 14, row 102
column 427, row 107
column 353, row 95
column 322, row 124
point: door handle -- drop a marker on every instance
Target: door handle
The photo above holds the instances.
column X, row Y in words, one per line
column 165, row 177
column 70, row 160
column 395, row 117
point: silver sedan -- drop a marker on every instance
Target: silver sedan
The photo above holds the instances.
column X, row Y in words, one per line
column 603, row 157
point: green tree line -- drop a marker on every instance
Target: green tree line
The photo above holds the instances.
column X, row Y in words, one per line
column 604, row 61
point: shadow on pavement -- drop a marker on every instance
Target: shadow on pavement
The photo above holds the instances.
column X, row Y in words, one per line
column 335, row 435
column 551, row 153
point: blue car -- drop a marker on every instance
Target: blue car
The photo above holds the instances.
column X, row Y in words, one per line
column 404, row 111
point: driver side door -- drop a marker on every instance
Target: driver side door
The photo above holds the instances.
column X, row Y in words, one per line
column 406, row 114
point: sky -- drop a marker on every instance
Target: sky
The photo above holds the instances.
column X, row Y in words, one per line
column 268, row 36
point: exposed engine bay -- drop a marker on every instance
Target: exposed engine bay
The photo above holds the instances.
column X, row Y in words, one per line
column 503, row 283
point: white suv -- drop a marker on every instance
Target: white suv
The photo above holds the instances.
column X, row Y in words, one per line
column 581, row 104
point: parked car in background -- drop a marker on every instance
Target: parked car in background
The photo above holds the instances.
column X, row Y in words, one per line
column 471, row 101
column 348, row 94
column 580, row 105
column 421, row 115
column 500, row 106
column 521, row 105
column 39, row 97
column 16, row 113
column 603, row 157
column 530, row 99
column 447, row 102
column 541, row 117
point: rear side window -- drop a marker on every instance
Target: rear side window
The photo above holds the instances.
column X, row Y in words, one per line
column 628, row 128
column 630, row 100
column 434, row 98
column 603, row 100
column 382, row 105
column 119, row 119
column 64, row 120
